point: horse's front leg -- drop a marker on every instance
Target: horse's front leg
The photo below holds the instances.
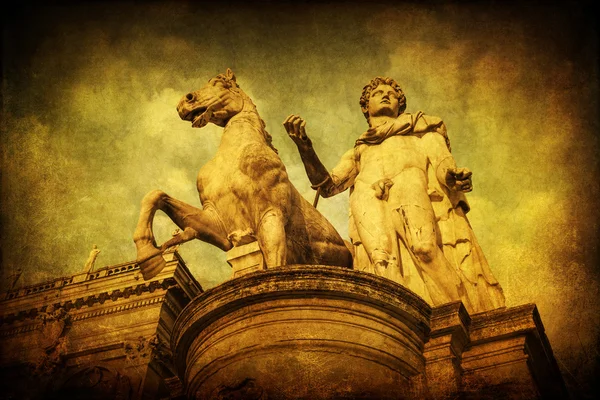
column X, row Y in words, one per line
column 194, row 222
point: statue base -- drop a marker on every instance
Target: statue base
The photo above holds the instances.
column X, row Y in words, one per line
column 498, row 354
column 316, row 332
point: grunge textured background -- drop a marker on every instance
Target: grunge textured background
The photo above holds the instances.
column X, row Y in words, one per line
column 89, row 126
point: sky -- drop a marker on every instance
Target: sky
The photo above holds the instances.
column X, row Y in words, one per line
column 89, row 126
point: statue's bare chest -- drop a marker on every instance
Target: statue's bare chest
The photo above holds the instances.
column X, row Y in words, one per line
column 393, row 155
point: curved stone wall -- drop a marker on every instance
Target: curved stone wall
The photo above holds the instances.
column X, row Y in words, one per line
column 303, row 332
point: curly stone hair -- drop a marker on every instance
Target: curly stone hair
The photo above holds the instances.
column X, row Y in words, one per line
column 366, row 94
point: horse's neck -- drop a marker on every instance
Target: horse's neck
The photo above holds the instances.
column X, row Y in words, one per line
column 245, row 126
column 248, row 115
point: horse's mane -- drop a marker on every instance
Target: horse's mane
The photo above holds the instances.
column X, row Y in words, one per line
column 232, row 85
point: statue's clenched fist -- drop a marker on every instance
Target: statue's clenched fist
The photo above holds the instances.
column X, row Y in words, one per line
column 459, row 179
column 296, row 129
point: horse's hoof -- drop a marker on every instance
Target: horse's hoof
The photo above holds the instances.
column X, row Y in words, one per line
column 150, row 261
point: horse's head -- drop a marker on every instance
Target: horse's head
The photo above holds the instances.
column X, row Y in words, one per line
column 219, row 100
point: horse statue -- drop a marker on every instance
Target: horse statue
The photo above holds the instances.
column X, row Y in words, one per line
column 244, row 190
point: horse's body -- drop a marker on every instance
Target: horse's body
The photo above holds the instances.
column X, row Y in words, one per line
column 245, row 192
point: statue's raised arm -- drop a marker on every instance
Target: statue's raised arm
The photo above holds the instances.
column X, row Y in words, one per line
column 316, row 171
column 327, row 184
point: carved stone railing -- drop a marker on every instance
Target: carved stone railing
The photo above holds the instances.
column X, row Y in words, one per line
column 89, row 301
column 69, row 280
column 110, row 283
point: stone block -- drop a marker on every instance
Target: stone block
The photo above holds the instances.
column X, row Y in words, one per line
column 245, row 259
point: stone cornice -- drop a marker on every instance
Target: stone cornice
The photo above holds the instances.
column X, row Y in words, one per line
column 119, row 308
column 94, row 300
column 505, row 321
column 172, row 306
column 113, row 282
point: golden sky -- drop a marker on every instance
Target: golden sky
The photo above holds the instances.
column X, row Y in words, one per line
column 89, row 126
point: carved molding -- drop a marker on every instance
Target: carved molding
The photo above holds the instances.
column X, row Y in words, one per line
column 120, row 308
column 52, row 340
column 150, row 348
column 138, row 349
column 99, row 298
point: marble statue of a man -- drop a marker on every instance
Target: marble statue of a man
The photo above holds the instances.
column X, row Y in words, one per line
column 407, row 201
column 89, row 264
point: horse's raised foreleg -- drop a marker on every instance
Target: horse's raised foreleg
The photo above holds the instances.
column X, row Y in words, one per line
column 195, row 223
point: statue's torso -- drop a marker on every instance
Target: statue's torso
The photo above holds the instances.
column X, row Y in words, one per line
column 398, row 158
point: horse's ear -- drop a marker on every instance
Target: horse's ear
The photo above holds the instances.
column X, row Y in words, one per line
column 229, row 74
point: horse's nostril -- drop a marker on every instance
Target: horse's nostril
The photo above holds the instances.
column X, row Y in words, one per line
column 189, row 96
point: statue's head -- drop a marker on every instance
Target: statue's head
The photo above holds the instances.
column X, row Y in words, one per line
column 382, row 96
column 219, row 100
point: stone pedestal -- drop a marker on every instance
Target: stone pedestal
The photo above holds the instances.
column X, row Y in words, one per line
column 303, row 332
column 316, row 332
column 500, row 354
column 449, row 336
column 510, row 353
column 297, row 332
column 245, row 259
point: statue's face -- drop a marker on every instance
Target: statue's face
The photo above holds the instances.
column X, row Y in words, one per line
column 383, row 101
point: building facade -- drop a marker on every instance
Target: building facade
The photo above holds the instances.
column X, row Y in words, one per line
column 299, row 332
column 103, row 334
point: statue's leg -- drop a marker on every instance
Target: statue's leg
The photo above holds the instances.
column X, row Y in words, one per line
column 272, row 238
column 416, row 225
column 194, row 222
column 374, row 226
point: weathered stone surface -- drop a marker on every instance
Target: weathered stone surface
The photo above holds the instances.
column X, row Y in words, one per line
column 98, row 335
column 304, row 332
